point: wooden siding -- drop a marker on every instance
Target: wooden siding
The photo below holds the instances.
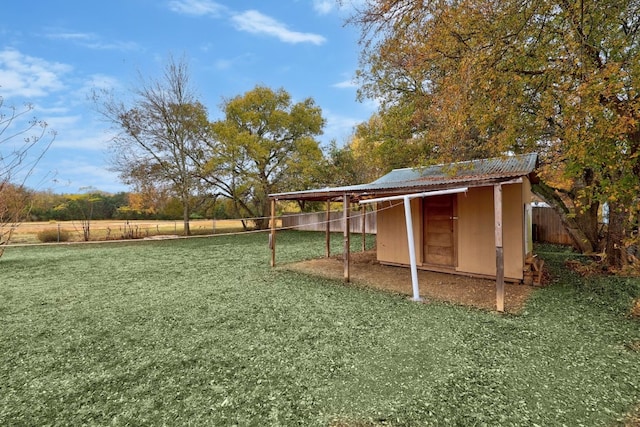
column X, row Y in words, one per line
column 391, row 243
column 476, row 239
column 474, row 236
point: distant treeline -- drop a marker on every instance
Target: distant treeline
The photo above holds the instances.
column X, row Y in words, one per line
column 98, row 205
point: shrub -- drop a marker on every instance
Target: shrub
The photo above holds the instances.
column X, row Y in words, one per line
column 53, row 235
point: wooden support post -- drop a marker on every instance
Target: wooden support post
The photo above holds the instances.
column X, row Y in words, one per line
column 346, row 234
column 497, row 201
column 327, row 236
column 272, row 236
column 363, row 212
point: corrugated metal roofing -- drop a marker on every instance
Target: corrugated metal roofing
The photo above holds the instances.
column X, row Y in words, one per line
column 499, row 167
column 470, row 173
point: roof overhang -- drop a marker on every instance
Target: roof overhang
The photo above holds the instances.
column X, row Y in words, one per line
column 473, row 173
column 415, row 195
column 361, row 192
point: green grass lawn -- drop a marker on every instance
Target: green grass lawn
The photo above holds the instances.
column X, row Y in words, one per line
column 204, row 332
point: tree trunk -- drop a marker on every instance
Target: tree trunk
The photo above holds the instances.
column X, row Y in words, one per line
column 587, row 222
column 615, row 249
column 577, row 233
column 262, row 223
column 185, row 217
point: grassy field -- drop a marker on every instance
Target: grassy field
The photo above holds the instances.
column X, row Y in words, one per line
column 203, row 332
column 27, row 232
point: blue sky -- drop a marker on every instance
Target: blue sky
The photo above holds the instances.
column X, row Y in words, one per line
column 53, row 53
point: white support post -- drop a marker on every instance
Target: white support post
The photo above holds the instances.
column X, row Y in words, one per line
column 412, row 249
column 406, row 198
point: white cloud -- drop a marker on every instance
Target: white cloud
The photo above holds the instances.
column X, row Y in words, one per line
column 340, row 127
column 345, row 84
column 197, row 7
column 255, row 22
column 30, row 77
column 250, row 21
column 92, row 41
column 71, row 36
column 323, row 7
column 73, row 173
column 224, row 64
column 63, row 122
column 228, row 63
column 100, row 81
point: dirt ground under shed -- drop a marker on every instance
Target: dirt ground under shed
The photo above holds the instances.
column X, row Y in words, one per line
column 365, row 270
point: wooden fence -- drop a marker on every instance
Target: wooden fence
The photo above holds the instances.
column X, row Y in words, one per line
column 316, row 221
column 548, row 228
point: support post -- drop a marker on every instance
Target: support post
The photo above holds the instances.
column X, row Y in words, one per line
column 346, row 235
column 409, row 225
column 327, row 232
column 363, row 216
column 497, row 200
column 412, row 249
column 272, row 236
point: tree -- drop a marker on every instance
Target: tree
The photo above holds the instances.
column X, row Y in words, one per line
column 265, row 144
column 161, row 134
column 22, row 146
column 485, row 77
column 82, row 207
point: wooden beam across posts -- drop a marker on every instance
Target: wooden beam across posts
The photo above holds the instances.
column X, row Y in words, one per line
column 327, row 232
column 346, row 234
column 272, row 235
column 497, row 201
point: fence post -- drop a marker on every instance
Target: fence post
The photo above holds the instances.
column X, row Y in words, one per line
column 272, row 235
column 346, row 201
column 363, row 217
column 327, row 231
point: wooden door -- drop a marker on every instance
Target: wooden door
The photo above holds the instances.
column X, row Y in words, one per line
column 439, row 230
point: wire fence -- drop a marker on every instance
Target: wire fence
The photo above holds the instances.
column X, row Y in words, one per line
column 104, row 230
column 545, row 229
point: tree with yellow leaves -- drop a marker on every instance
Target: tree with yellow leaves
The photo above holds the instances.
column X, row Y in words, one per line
column 487, row 77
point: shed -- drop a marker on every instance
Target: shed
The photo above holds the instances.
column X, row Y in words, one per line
column 471, row 218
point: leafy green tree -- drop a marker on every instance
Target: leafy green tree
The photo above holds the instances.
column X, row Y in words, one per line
column 485, row 77
column 43, row 204
column 265, row 144
column 161, row 134
column 82, row 207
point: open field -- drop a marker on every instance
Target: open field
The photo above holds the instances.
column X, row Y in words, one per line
column 203, row 332
column 27, row 232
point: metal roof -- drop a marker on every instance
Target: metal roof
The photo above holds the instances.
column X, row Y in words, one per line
column 472, row 173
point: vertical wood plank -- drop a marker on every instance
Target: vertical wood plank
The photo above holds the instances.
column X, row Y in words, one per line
column 327, row 231
column 346, row 235
column 497, row 200
column 273, row 233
